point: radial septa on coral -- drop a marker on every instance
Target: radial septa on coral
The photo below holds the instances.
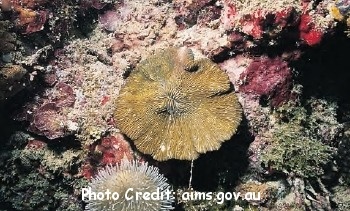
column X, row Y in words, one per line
column 176, row 107
column 216, row 81
column 133, row 104
column 158, row 67
column 218, row 127
column 152, row 138
column 177, row 144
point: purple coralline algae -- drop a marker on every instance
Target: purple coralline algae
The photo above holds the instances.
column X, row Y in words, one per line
column 268, row 79
column 110, row 150
column 48, row 122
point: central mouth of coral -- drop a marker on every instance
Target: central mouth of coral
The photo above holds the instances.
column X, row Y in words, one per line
column 172, row 105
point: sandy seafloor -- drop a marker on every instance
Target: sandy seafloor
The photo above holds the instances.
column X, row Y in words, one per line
column 64, row 64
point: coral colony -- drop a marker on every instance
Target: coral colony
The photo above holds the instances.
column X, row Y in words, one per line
column 170, row 99
column 174, row 105
column 128, row 186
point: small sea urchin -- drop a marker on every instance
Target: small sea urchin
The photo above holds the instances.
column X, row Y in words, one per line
column 173, row 106
column 134, row 182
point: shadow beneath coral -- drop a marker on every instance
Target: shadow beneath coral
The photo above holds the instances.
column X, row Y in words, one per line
column 7, row 125
column 216, row 170
column 221, row 169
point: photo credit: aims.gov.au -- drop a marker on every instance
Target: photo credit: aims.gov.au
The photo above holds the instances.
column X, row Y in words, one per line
column 130, row 194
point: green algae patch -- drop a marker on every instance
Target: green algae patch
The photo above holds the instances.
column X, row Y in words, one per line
column 293, row 152
column 295, row 148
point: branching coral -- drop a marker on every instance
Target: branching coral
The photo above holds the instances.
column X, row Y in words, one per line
column 173, row 106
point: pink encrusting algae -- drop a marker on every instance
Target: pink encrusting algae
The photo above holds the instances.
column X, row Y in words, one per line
column 269, row 78
column 269, row 18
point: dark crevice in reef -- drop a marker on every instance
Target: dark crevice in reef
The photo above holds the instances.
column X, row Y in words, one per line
column 7, row 125
column 324, row 70
column 8, row 109
column 222, row 56
column 222, row 168
column 11, row 108
column 63, row 144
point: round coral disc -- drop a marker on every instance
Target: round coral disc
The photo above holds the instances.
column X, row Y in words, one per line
column 173, row 106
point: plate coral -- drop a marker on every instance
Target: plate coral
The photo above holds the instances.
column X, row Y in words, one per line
column 173, row 106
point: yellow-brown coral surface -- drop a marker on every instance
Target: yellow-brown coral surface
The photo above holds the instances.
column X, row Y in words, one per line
column 173, row 106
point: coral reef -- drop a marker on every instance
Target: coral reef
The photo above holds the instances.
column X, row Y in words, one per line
column 30, row 21
column 64, row 63
column 21, row 22
column 296, row 147
column 47, row 121
column 170, row 99
column 323, row 121
column 49, row 118
column 340, row 10
column 136, row 175
column 79, row 89
column 343, row 156
column 199, row 12
column 269, row 191
column 299, row 147
column 30, row 17
column 341, row 197
column 114, row 149
column 48, row 22
column 31, row 168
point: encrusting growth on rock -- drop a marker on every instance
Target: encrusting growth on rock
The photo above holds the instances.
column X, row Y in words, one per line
column 173, row 106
